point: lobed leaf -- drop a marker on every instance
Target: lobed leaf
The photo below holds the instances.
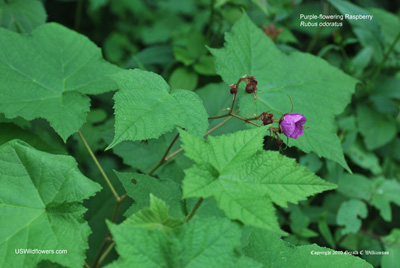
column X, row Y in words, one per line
column 145, row 108
column 47, row 74
column 348, row 215
column 39, row 203
column 319, row 91
column 245, row 180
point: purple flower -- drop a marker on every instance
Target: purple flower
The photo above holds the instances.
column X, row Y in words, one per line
column 292, row 125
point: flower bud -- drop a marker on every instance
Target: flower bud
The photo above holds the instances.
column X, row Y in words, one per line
column 251, row 87
column 267, row 118
column 279, row 142
column 234, row 89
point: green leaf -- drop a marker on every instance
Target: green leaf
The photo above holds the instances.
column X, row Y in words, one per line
column 300, row 75
column 207, row 243
column 63, row 66
column 348, row 215
column 155, row 217
column 158, row 54
column 392, row 245
column 376, row 128
column 39, row 203
column 143, row 155
column 215, row 101
column 139, row 187
column 22, row 15
column 183, row 78
column 95, row 5
column 390, row 25
column 11, row 131
column 244, row 179
column 299, row 223
column 205, row 66
column 150, row 238
column 364, row 158
column 145, row 108
column 367, row 31
column 312, row 162
column 356, row 186
column 379, row 192
column 325, row 231
column 386, row 191
column 268, row 249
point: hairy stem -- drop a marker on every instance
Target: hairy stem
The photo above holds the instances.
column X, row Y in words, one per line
column 196, row 207
column 162, row 160
column 85, row 264
column 219, row 116
column 247, row 120
column 103, row 248
column 114, row 192
column 106, row 252
column 118, row 201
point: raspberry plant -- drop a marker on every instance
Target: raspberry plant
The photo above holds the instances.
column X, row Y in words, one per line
column 143, row 157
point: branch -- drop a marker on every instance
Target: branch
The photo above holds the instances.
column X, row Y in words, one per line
column 162, row 160
column 196, row 207
column 114, row 192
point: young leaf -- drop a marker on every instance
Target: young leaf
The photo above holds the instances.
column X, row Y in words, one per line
column 244, row 179
column 47, row 74
column 319, row 91
column 39, row 206
column 347, row 215
column 150, row 238
column 145, row 108
column 22, row 15
column 268, row 249
column 154, row 218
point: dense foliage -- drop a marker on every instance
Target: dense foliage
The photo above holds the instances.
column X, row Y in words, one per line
column 207, row 133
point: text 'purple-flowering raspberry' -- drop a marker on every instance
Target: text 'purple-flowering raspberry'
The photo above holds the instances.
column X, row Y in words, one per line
column 292, row 125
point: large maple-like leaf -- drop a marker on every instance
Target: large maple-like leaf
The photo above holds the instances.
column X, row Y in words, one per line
column 39, row 206
column 244, row 179
column 47, row 74
column 319, row 91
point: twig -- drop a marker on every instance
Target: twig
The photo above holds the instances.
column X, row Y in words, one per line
column 196, row 207
column 162, row 160
column 106, row 252
column 114, row 192
column 246, row 120
column 378, row 70
column 99, row 257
